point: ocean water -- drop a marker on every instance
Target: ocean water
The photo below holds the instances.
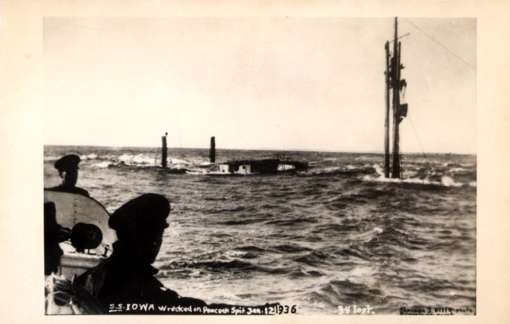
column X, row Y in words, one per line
column 338, row 234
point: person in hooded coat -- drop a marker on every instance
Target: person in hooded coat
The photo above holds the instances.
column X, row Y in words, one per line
column 127, row 276
column 67, row 167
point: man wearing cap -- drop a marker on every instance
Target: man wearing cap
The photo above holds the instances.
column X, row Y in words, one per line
column 67, row 167
column 127, row 276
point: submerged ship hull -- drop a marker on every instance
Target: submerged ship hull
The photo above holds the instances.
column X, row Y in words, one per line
column 257, row 167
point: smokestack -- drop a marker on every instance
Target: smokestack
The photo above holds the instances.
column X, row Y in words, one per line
column 163, row 151
column 212, row 150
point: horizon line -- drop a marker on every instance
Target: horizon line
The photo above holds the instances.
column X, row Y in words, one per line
column 266, row 149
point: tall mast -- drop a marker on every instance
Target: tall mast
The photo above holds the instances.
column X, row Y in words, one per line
column 396, row 103
column 399, row 111
column 387, row 115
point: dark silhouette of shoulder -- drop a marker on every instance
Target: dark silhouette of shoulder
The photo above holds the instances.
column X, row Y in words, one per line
column 114, row 282
column 75, row 190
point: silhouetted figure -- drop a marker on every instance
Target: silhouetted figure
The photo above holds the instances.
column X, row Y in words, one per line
column 85, row 237
column 62, row 296
column 127, row 276
column 67, row 167
column 53, row 235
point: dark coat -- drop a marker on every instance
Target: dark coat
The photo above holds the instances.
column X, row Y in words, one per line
column 118, row 280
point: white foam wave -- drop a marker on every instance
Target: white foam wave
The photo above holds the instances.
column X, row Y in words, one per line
column 449, row 182
column 457, row 170
column 391, row 180
column 91, row 156
column 138, row 159
column 462, row 165
column 378, row 230
column 175, row 161
column 101, row 165
column 197, row 172
column 51, row 158
column 141, row 160
column 445, row 180
column 363, row 158
column 324, row 170
column 378, row 169
column 349, row 168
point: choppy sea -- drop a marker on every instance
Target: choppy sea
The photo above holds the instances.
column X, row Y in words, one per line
column 338, row 234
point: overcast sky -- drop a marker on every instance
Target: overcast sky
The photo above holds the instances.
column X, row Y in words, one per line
column 275, row 83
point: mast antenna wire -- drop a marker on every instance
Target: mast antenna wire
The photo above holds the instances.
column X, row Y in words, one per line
column 417, row 137
column 441, row 44
column 399, row 37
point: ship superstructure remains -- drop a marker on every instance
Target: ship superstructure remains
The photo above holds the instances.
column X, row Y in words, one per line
column 394, row 85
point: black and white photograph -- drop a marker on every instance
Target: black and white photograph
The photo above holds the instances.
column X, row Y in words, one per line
column 260, row 166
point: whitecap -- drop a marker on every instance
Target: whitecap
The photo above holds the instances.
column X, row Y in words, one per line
column 178, row 161
column 50, row 158
column 138, row 159
column 449, row 182
column 381, row 178
column 91, row 156
column 325, row 170
column 101, row 165
column 378, row 230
